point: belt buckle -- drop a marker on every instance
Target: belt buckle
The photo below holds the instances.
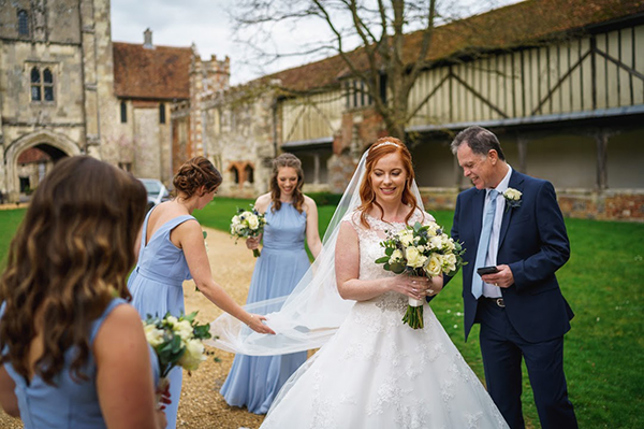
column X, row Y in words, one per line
column 500, row 302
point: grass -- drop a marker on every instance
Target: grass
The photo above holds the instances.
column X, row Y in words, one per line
column 9, row 221
column 603, row 282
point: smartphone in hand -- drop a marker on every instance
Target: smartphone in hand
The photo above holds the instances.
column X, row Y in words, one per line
column 487, row 270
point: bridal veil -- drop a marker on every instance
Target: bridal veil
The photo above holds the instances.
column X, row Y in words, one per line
column 311, row 314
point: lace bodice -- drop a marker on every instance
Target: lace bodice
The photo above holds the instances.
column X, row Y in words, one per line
column 370, row 250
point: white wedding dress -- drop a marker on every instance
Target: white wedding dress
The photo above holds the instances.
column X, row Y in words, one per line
column 377, row 372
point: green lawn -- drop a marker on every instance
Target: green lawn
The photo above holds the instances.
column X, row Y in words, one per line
column 9, row 221
column 603, row 282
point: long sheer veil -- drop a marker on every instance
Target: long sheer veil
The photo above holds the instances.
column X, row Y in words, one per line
column 312, row 313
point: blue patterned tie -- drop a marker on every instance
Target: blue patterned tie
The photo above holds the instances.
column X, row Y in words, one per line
column 484, row 243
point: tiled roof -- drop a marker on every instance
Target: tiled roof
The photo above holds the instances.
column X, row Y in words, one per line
column 159, row 73
column 33, row 154
column 511, row 26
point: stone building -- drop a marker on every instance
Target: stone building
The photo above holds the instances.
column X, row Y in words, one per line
column 66, row 89
column 190, row 118
column 148, row 80
column 56, row 83
column 561, row 82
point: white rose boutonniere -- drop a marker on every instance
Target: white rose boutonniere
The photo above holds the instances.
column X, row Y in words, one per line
column 512, row 197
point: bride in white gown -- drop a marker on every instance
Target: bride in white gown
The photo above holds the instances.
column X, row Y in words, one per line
column 377, row 372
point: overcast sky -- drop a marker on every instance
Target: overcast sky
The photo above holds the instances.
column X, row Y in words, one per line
column 208, row 24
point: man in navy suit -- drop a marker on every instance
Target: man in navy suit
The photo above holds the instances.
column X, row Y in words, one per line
column 522, row 313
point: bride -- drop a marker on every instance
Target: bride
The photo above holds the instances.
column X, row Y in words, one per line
column 374, row 371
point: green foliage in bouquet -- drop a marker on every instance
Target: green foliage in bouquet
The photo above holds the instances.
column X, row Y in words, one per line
column 177, row 341
column 420, row 250
column 247, row 223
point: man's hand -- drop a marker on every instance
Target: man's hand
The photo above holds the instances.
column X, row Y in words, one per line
column 503, row 278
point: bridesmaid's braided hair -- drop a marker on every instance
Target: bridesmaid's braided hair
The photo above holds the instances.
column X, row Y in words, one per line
column 287, row 160
column 194, row 174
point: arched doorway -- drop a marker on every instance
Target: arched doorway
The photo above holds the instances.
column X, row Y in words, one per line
column 44, row 148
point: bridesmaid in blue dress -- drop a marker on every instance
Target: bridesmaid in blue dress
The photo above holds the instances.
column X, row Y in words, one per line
column 254, row 381
column 172, row 251
column 74, row 352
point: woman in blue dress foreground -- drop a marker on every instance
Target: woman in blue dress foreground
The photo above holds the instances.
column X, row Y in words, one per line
column 292, row 216
column 73, row 351
column 173, row 250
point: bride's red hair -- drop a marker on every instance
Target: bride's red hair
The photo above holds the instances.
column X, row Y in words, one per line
column 383, row 147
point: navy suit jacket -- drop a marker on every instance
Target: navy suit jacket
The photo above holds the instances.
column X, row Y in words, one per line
column 534, row 243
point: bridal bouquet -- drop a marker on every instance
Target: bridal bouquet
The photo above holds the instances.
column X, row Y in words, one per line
column 176, row 341
column 247, row 223
column 420, row 250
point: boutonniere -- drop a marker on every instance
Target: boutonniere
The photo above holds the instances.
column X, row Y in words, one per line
column 512, row 197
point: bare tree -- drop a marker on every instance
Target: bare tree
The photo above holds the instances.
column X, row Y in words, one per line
column 370, row 37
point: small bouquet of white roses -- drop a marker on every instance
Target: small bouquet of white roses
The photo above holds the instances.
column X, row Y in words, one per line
column 420, row 250
column 177, row 341
column 247, row 223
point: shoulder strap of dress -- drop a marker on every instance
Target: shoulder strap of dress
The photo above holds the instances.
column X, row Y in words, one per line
column 99, row 322
column 173, row 223
column 144, row 234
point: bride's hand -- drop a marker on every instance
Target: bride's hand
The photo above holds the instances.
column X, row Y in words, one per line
column 256, row 323
column 413, row 286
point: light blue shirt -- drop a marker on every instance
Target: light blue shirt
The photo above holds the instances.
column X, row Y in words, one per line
column 491, row 291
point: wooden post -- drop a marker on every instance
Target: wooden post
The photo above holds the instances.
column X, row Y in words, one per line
column 522, row 147
column 601, row 139
column 316, row 168
column 458, row 174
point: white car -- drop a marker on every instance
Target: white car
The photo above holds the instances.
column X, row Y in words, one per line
column 157, row 192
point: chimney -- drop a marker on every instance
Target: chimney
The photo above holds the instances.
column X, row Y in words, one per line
column 147, row 39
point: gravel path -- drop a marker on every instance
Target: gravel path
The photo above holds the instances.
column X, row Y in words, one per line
column 201, row 406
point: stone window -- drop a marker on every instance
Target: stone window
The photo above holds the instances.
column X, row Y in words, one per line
column 23, row 23
column 42, row 84
column 123, row 112
column 162, row 113
column 249, row 173
column 235, row 174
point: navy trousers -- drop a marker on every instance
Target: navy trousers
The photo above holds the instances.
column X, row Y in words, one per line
column 502, row 349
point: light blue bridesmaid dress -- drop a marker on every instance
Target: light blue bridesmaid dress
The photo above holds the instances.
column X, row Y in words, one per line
column 254, row 381
column 69, row 404
column 156, row 285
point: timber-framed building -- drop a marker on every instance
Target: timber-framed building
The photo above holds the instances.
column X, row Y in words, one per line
column 561, row 82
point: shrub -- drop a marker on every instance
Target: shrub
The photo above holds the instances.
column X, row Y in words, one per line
column 325, row 198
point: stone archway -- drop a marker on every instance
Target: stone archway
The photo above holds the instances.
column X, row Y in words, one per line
column 56, row 145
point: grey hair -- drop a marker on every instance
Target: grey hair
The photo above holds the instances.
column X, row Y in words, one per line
column 479, row 139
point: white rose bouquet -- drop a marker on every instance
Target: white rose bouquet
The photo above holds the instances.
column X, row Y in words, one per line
column 176, row 341
column 247, row 223
column 420, row 250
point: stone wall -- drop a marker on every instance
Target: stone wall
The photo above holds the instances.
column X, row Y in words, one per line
column 608, row 205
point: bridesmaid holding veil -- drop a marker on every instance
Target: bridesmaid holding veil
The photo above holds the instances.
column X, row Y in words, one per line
column 291, row 217
column 173, row 250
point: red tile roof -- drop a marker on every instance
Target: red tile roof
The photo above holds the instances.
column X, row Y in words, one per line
column 507, row 27
column 159, row 73
column 31, row 155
